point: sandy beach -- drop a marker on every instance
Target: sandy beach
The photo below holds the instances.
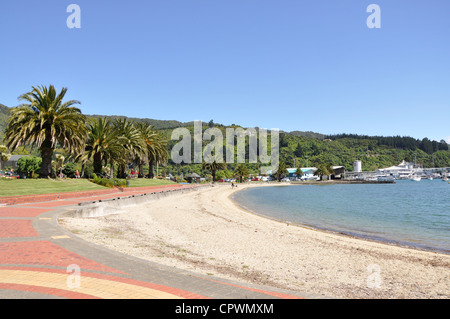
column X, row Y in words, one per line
column 205, row 232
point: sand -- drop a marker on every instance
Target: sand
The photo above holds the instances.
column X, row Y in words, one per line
column 204, row 231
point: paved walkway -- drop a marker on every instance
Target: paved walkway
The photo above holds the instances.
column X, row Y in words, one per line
column 39, row 259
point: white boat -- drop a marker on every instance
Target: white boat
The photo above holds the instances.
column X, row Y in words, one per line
column 416, row 178
column 385, row 178
column 382, row 178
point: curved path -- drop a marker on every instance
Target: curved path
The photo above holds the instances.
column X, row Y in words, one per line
column 39, row 259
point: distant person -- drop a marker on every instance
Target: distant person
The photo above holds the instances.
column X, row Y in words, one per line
column 77, row 174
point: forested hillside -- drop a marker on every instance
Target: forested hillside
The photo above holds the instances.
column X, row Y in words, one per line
column 309, row 148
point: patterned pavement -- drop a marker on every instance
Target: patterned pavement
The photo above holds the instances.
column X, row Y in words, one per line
column 39, row 259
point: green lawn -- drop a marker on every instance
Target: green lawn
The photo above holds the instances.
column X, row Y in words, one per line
column 18, row 187
column 44, row 186
column 141, row 182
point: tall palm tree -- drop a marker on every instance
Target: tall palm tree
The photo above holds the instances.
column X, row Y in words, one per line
column 213, row 167
column 155, row 150
column 102, row 143
column 131, row 142
column 45, row 121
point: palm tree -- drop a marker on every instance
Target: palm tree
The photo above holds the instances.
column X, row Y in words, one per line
column 132, row 144
column 281, row 171
column 102, row 143
column 241, row 171
column 155, row 150
column 46, row 121
column 213, row 167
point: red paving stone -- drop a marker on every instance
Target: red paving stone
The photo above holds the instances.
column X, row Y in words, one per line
column 17, row 228
column 46, row 253
column 21, row 211
column 17, row 200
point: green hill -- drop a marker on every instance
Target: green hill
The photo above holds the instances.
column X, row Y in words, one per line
column 310, row 148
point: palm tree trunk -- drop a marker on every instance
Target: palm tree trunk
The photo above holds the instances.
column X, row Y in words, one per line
column 151, row 163
column 141, row 169
column 46, row 166
column 98, row 165
column 121, row 171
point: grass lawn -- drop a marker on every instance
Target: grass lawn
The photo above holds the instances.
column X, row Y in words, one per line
column 16, row 187
column 141, row 182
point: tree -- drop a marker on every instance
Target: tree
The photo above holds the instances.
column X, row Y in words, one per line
column 213, row 167
column 45, row 121
column 4, row 156
column 281, row 171
column 298, row 151
column 132, row 144
column 155, row 148
column 241, row 171
column 59, row 163
column 299, row 172
column 28, row 165
column 102, row 143
column 324, row 170
column 69, row 170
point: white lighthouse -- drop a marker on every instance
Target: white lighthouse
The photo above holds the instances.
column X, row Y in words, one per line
column 357, row 168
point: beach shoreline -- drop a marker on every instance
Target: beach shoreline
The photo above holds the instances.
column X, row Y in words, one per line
column 207, row 232
column 340, row 232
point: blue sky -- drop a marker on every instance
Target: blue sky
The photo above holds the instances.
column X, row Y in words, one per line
column 291, row 64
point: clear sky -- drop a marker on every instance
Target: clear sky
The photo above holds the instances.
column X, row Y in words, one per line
column 288, row 64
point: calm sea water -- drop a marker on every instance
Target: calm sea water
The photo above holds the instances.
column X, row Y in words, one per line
column 408, row 212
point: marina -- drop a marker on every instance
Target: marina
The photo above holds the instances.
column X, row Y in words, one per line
column 403, row 171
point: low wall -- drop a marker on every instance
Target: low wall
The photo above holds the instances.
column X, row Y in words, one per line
column 117, row 205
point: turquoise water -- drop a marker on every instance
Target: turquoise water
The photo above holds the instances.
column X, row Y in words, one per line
column 408, row 213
